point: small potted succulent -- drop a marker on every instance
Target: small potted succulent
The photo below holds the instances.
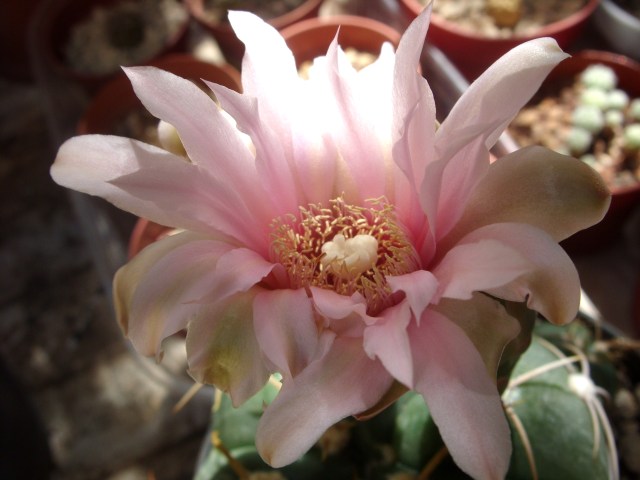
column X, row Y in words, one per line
column 212, row 15
column 473, row 34
column 589, row 108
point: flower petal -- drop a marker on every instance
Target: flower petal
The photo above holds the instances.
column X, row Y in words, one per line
column 286, row 329
column 269, row 74
column 388, row 341
column 200, row 124
column 462, row 397
column 419, row 287
column 478, row 266
column 412, row 97
column 236, row 271
column 268, row 67
column 480, row 116
column 343, row 315
column 344, row 115
column 484, row 109
column 534, row 185
column 152, row 291
column 485, row 322
column 222, row 348
column 459, row 177
column 343, row 383
column 272, row 144
column 155, row 184
column 552, row 286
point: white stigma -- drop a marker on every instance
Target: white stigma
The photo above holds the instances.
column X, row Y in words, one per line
column 349, row 257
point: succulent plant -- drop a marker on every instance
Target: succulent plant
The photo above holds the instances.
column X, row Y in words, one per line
column 632, row 137
column 634, row 109
column 617, row 99
column 588, row 117
column 594, row 96
column 599, row 76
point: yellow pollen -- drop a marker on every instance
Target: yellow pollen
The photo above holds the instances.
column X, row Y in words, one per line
column 344, row 248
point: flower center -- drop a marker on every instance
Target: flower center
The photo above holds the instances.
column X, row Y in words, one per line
column 344, row 248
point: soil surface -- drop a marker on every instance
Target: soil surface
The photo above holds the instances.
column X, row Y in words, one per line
column 472, row 15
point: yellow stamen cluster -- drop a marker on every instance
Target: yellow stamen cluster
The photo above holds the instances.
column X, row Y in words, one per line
column 345, row 248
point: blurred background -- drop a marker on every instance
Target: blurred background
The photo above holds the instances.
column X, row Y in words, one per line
column 75, row 401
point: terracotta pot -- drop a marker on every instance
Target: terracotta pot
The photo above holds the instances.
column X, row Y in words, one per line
column 231, row 47
column 623, row 199
column 116, row 100
column 473, row 53
column 311, row 38
column 620, row 29
column 59, row 21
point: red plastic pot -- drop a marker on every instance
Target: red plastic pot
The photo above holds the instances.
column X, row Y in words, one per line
column 473, row 53
column 311, row 38
column 233, row 48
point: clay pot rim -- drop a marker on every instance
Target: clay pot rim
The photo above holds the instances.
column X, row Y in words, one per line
column 549, row 30
column 304, row 10
column 346, row 21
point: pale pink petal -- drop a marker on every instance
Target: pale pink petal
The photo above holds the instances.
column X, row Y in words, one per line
column 152, row 290
column 461, row 396
column 222, row 348
column 487, row 324
column 350, row 127
column 200, row 124
column 534, row 185
column 155, row 184
column 343, row 383
column 286, row 329
column 478, row 266
column 417, row 188
column 343, row 315
column 413, row 98
column 419, row 287
column 493, row 100
column 273, row 144
column 480, row 116
column 388, row 341
column 268, row 67
column 551, row 286
column 269, row 74
column 459, row 177
column 236, row 271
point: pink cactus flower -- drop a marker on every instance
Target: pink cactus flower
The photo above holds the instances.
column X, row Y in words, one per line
column 335, row 234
